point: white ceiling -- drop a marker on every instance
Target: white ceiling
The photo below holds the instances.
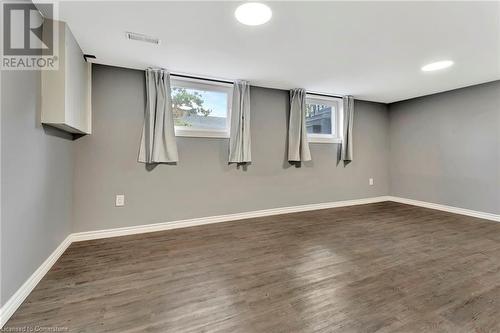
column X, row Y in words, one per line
column 372, row 50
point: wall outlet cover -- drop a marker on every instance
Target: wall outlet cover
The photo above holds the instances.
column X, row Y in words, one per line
column 120, row 200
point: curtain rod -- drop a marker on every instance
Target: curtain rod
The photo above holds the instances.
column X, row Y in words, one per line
column 324, row 95
column 201, row 78
column 232, row 82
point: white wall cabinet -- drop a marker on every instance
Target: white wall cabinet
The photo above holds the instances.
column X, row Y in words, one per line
column 66, row 92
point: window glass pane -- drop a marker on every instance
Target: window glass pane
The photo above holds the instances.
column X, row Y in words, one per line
column 319, row 118
column 199, row 109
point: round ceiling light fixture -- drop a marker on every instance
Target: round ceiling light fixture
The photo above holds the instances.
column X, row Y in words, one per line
column 437, row 65
column 253, row 13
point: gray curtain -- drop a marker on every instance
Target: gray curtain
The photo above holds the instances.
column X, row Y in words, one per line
column 347, row 143
column 298, row 145
column 239, row 142
column 158, row 135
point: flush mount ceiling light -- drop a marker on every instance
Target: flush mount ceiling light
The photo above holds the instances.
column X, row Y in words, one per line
column 253, row 13
column 437, row 65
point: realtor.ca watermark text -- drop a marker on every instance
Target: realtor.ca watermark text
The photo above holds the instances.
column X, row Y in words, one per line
column 30, row 41
column 29, row 62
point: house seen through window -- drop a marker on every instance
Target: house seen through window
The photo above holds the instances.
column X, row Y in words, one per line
column 323, row 119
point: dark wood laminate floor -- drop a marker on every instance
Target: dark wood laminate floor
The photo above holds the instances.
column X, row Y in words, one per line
column 383, row 267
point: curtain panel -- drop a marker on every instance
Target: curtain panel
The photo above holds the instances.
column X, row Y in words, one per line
column 240, row 142
column 158, row 143
column 347, row 143
column 298, row 144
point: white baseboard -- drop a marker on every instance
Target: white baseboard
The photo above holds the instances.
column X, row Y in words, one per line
column 89, row 235
column 450, row 209
column 18, row 298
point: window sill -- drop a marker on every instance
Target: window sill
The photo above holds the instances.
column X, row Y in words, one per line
column 202, row 134
column 324, row 140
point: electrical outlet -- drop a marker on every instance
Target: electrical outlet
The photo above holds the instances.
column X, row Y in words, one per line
column 120, row 200
column 370, row 181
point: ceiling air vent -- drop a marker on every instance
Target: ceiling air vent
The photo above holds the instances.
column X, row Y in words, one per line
column 142, row 38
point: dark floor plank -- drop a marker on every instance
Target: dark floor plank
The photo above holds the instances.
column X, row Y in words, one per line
column 383, row 267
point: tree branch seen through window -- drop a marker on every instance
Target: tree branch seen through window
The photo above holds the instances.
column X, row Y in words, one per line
column 186, row 102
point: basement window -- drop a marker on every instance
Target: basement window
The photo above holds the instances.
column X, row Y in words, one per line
column 323, row 119
column 201, row 108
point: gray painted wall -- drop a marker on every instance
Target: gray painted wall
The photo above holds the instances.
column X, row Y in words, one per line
column 202, row 184
column 445, row 148
column 37, row 178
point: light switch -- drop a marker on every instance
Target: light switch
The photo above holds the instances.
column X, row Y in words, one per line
column 370, row 181
column 120, row 200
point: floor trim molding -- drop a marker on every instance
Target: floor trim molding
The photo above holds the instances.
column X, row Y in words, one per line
column 89, row 235
column 445, row 208
column 18, row 298
column 20, row 295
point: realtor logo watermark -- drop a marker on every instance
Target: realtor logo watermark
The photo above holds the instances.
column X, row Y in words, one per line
column 30, row 42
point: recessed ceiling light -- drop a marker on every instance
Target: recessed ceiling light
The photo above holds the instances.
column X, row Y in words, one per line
column 437, row 65
column 253, row 13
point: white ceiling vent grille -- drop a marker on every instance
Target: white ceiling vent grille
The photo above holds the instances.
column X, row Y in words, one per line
column 142, row 38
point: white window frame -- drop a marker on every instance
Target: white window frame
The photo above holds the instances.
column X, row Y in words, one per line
column 337, row 119
column 200, row 84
